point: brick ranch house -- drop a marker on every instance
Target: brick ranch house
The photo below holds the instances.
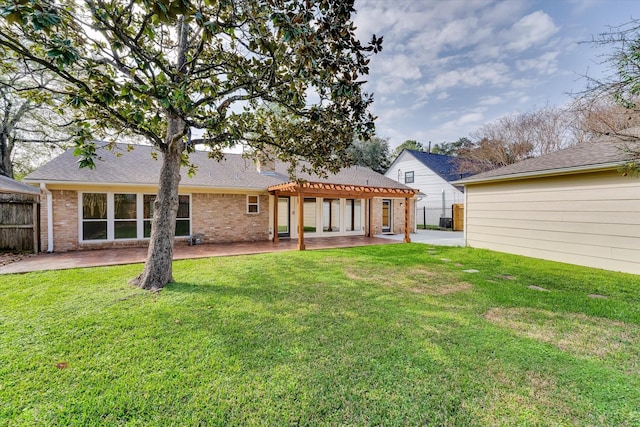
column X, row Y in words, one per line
column 234, row 200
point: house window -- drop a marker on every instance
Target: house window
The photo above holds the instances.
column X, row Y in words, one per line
column 253, row 204
column 309, row 219
column 94, row 216
column 116, row 216
column 408, row 177
column 183, row 217
column 331, row 215
column 353, row 215
column 125, row 225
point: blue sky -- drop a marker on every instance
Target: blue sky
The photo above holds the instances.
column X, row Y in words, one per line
column 450, row 66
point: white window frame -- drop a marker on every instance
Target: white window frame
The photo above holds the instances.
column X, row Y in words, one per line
column 406, row 176
column 111, row 217
column 256, row 204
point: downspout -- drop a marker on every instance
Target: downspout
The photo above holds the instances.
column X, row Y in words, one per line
column 43, row 187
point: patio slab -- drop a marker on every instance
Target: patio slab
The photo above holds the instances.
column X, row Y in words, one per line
column 103, row 257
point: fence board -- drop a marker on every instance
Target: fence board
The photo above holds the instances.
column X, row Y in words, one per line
column 458, row 217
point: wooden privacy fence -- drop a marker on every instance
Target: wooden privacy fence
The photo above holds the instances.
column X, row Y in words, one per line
column 458, row 216
column 19, row 222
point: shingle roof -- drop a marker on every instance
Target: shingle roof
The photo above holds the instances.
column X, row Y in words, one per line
column 8, row 185
column 606, row 152
column 233, row 172
column 445, row 166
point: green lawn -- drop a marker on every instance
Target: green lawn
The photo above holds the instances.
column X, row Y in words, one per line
column 383, row 335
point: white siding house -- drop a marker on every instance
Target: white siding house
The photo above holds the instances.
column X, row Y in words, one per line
column 432, row 175
column 572, row 206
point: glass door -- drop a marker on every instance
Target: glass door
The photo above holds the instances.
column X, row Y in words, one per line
column 283, row 217
column 386, row 216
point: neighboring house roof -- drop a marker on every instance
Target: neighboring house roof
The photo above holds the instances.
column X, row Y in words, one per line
column 8, row 185
column 608, row 152
column 447, row 167
column 138, row 167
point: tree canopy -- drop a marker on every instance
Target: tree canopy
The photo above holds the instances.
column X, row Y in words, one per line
column 409, row 144
column 373, row 154
column 166, row 68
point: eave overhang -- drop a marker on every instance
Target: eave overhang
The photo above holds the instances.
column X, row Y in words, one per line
column 540, row 174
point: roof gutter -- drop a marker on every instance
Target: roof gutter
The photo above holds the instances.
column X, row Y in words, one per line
column 43, row 187
column 540, row 174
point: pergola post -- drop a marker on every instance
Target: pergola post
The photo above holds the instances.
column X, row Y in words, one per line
column 370, row 219
column 276, row 238
column 407, row 220
column 300, row 221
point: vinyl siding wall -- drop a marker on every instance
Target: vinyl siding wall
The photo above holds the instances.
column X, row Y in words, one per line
column 586, row 219
column 429, row 183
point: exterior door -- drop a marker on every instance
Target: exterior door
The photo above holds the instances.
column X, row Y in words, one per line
column 284, row 217
column 386, row 216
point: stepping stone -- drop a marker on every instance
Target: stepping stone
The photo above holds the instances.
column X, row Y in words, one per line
column 598, row 296
column 538, row 288
column 506, row 277
column 445, row 259
column 471, row 271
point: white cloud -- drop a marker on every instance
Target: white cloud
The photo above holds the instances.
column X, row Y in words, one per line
column 545, row 64
column 491, row 73
column 490, row 100
column 529, row 31
column 442, row 96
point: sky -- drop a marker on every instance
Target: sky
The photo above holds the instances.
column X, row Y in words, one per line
column 450, row 66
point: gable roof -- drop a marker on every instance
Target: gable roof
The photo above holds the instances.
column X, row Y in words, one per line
column 138, row 167
column 445, row 166
column 608, row 152
column 8, row 185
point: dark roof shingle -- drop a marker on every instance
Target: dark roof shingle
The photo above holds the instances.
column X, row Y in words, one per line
column 445, row 166
column 233, row 172
column 8, row 185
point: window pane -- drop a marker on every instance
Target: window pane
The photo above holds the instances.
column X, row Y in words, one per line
column 125, row 229
column 357, row 215
column 331, row 215
column 253, row 199
column 124, row 206
column 94, row 230
column 94, row 206
column 183, row 207
column 253, row 209
column 147, row 228
column 182, row 227
column 148, row 205
column 309, row 215
column 353, row 215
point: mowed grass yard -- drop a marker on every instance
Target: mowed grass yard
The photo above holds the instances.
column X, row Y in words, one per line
column 381, row 335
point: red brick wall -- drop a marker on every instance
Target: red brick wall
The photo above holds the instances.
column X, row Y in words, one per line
column 224, row 218
column 220, row 217
column 397, row 220
column 65, row 220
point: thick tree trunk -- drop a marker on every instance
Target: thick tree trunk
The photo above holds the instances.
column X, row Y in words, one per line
column 6, row 168
column 158, row 266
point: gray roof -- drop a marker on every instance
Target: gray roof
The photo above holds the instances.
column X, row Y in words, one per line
column 8, row 185
column 233, row 172
column 608, row 152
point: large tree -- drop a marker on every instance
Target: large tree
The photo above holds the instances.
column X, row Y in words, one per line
column 517, row 136
column 373, row 154
column 409, row 144
column 163, row 68
column 31, row 130
column 452, row 148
